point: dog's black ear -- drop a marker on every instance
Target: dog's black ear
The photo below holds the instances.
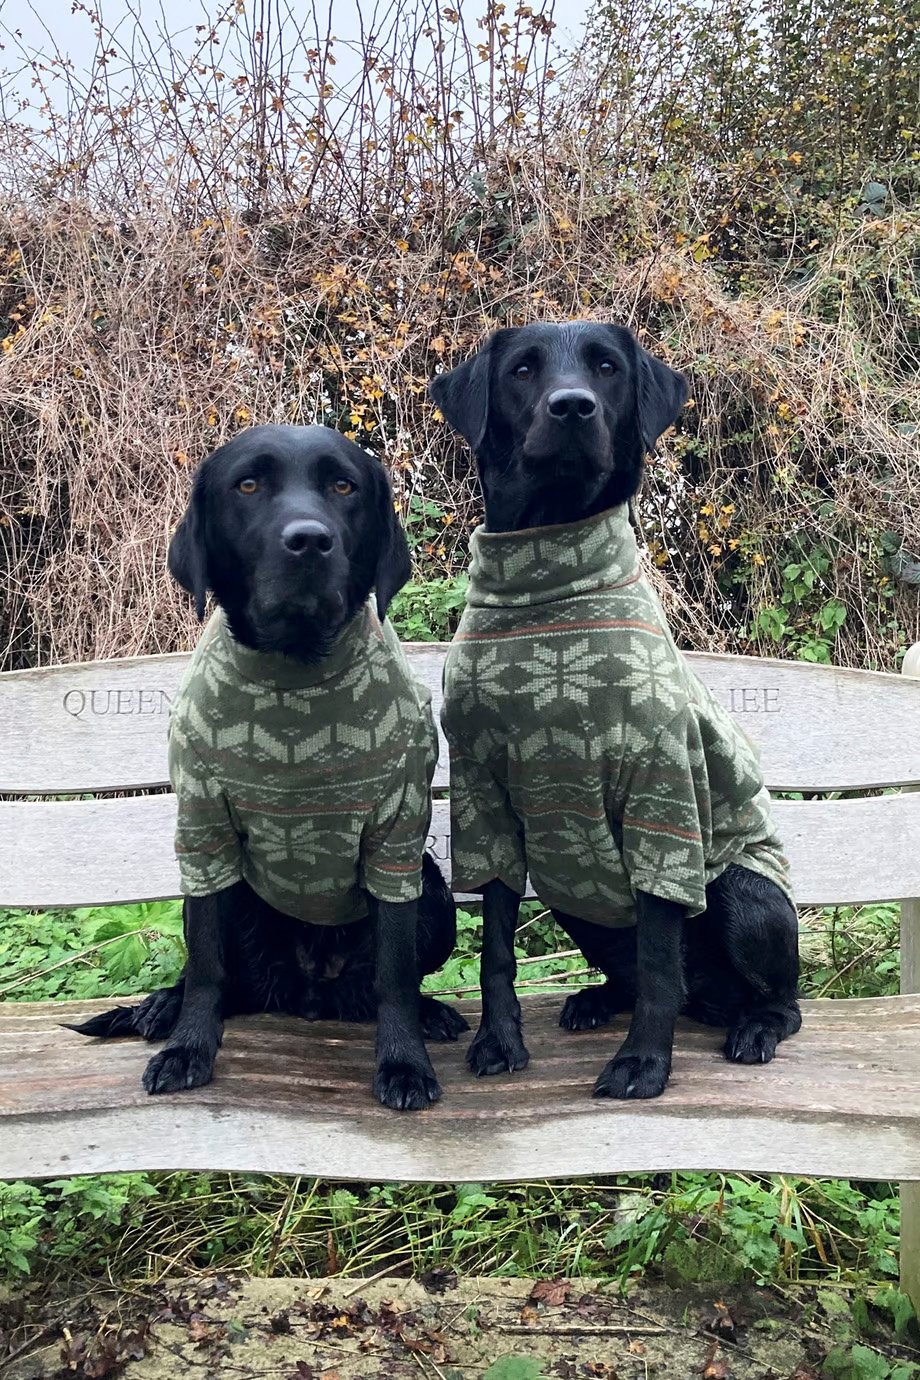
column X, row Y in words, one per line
column 463, row 394
column 187, row 559
column 394, row 563
column 661, row 393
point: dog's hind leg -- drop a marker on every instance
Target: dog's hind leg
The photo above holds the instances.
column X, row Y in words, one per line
column 613, row 952
column 436, row 937
column 759, row 935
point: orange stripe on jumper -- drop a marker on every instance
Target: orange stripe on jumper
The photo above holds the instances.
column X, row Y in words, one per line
column 584, row 626
column 395, row 867
column 662, row 829
column 183, row 851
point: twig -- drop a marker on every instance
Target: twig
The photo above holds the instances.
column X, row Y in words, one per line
column 583, row 1329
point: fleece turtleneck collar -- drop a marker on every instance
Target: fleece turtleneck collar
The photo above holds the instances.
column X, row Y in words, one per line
column 544, row 564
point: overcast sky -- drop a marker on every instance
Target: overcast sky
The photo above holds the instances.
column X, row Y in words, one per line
column 42, row 25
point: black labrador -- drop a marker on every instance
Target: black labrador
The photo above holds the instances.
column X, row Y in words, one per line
column 560, row 419
column 291, row 528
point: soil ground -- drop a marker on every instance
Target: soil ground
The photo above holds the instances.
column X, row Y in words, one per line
column 436, row 1326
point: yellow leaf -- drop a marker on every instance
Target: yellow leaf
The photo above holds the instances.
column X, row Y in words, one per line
column 439, row 344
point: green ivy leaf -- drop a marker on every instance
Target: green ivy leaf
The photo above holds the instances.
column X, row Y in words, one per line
column 514, row 1368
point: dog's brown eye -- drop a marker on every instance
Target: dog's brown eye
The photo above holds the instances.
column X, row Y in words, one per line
column 523, row 371
column 248, row 486
column 343, row 486
column 606, row 367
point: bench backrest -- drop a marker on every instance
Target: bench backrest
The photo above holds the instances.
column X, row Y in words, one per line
column 101, row 727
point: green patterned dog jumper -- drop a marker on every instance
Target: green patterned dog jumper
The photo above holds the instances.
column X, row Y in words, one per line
column 312, row 783
column 583, row 749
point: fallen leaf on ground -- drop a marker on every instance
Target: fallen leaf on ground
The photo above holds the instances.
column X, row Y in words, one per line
column 550, row 1292
column 720, row 1321
column 714, row 1367
column 199, row 1329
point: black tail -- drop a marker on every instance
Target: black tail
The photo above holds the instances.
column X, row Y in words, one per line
column 153, row 1018
column 109, row 1024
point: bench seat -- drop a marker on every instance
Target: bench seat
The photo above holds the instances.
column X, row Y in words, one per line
column 841, row 1098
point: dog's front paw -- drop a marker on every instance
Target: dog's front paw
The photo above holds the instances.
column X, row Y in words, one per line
column 497, row 1049
column 440, row 1021
column 405, row 1086
column 634, row 1075
column 182, row 1066
column 589, row 1008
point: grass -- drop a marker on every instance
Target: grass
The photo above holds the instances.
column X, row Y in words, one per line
column 688, row 1227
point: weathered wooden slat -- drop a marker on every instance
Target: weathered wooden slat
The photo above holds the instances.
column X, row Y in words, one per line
column 102, row 725
column 841, row 1098
column 89, row 852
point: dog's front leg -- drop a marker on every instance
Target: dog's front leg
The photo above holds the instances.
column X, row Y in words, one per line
column 188, row 1059
column 404, row 1079
column 642, row 1066
column 498, row 1045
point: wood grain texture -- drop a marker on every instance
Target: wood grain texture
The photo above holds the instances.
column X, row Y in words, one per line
column 842, row 1098
column 93, row 852
column 102, row 725
column 910, row 982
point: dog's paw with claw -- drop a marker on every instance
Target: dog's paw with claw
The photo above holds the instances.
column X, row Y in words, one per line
column 752, row 1042
column 634, row 1075
column 439, row 1021
column 405, row 1086
column 497, row 1049
column 588, row 1009
column 179, row 1067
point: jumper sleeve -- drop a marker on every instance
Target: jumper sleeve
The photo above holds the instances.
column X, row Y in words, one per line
column 667, row 817
column 207, row 844
column 486, row 836
column 394, row 838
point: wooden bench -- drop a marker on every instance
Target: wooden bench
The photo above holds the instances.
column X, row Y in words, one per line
column 842, row 1098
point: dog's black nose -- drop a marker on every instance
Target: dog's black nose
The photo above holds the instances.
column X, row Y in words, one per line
column 305, row 536
column 571, row 404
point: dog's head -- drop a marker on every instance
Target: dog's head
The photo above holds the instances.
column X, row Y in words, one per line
column 290, row 527
column 560, row 418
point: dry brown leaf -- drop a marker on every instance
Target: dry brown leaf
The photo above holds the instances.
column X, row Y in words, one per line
column 715, row 1367
column 550, row 1292
column 720, row 1321
column 199, row 1329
